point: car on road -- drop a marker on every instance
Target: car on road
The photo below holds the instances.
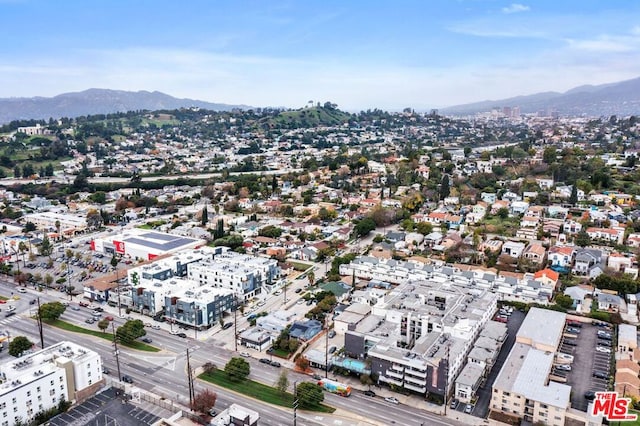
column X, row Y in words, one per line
column 298, row 290
column 105, row 370
column 183, row 335
column 11, row 308
column 96, row 312
column 155, row 327
column 265, row 360
column 392, row 400
column 32, row 302
column 332, row 334
column 83, row 304
column 9, row 314
column 127, row 379
column 454, row 404
column 213, row 413
column 245, row 354
column 227, row 326
column 89, row 320
column 3, row 301
column 147, row 340
column 468, row 409
column 75, row 308
column 109, row 318
column 369, row 393
column 275, row 364
column 22, row 290
column 332, row 349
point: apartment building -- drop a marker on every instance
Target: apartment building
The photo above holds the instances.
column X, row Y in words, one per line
column 39, row 381
column 245, row 275
column 396, row 272
column 419, row 335
column 522, row 389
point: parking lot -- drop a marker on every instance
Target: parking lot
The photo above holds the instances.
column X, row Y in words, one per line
column 103, row 408
column 588, row 361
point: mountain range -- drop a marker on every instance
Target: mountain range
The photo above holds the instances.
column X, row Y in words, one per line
column 621, row 98
column 96, row 101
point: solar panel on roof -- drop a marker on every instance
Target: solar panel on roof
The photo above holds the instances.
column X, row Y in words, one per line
column 158, row 236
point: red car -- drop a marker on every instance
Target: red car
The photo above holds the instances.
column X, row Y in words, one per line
column 3, row 301
column 109, row 318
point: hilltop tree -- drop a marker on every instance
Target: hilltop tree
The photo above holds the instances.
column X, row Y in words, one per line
column 444, row 187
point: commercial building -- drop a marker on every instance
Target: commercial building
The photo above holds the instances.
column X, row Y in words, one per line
column 39, row 381
column 523, row 389
column 140, row 244
column 66, row 224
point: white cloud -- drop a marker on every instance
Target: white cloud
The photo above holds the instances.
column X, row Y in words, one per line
column 515, row 8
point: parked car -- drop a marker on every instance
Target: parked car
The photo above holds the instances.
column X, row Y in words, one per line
column 105, row 370
column 369, row 393
column 298, row 290
column 454, row 404
column 127, row 379
column 265, row 360
column 392, row 400
column 564, row 367
column 590, row 395
column 332, row 334
column 603, row 349
column 245, row 354
column 468, row 409
column 600, row 374
column 573, row 330
column 570, row 342
column 605, row 343
column 275, row 364
column 332, row 349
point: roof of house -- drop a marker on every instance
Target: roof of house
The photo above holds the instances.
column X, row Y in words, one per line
column 548, row 273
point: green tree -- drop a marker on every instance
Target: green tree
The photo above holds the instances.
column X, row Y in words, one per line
column 103, row 324
column 573, row 198
column 365, row 226
column 309, row 394
column 444, row 187
column 18, row 345
column 582, row 239
column 283, row 382
column 424, row 228
column 51, row 311
column 311, row 277
column 205, row 216
column 130, row 331
column 564, row 301
column 46, row 248
column 237, row 369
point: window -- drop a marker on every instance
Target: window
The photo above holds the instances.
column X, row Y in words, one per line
column 545, row 406
column 507, row 394
column 28, row 393
column 38, row 389
column 14, row 400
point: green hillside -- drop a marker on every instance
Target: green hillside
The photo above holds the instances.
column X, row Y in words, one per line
column 307, row 117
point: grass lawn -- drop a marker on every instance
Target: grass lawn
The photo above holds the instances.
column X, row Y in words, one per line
column 282, row 354
column 107, row 336
column 636, row 423
column 258, row 391
column 299, row 266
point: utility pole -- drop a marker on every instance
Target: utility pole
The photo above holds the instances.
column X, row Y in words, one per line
column 326, row 348
column 116, row 351
column 40, row 325
column 235, row 322
column 446, row 380
column 295, row 402
column 190, row 380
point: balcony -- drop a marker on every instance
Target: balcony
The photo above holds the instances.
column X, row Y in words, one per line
column 391, row 381
column 394, row 374
column 419, row 389
column 414, row 380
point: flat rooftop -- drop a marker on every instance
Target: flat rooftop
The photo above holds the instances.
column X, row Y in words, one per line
column 542, row 327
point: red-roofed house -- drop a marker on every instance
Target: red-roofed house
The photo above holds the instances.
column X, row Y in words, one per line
column 547, row 277
column 561, row 256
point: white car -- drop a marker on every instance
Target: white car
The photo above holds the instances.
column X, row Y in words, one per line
column 392, row 400
column 245, row 354
column 22, row 290
column 603, row 349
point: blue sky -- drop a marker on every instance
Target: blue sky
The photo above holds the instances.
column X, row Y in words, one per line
column 357, row 53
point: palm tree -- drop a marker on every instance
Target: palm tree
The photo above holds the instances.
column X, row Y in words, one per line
column 312, row 277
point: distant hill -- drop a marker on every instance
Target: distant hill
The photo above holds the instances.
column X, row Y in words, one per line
column 622, row 98
column 307, row 117
column 96, row 101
